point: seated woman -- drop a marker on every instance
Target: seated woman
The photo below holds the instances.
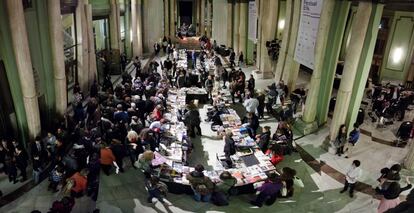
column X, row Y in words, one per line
column 275, row 152
column 227, row 184
column 263, row 139
column 268, row 191
column 253, row 123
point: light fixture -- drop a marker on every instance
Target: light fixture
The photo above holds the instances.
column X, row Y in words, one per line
column 281, row 24
column 397, row 55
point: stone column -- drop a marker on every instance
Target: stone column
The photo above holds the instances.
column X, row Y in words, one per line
column 114, row 27
column 82, row 50
column 269, row 24
column 202, row 17
column 285, row 41
column 259, row 8
column 92, row 71
column 208, row 19
column 136, row 27
column 127, row 18
column 243, row 27
column 291, row 67
column 364, row 65
column 358, row 33
column 236, row 25
column 56, row 37
column 173, row 17
column 166, row 18
column 309, row 114
column 21, row 52
column 229, row 23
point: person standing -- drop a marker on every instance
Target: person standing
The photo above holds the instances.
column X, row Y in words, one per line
column 107, row 159
column 251, row 84
column 241, row 59
column 21, row 162
column 209, row 84
column 352, row 140
column 232, row 58
column 390, row 196
column 340, row 140
column 351, row 177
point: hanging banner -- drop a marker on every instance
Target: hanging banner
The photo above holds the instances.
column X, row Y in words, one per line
column 308, row 31
column 252, row 21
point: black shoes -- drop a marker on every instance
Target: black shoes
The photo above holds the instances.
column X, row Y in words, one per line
column 342, row 191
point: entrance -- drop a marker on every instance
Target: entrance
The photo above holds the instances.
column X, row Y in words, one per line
column 7, row 115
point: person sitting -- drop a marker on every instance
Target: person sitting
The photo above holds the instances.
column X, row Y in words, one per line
column 202, row 185
column 80, row 181
column 263, row 139
column 287, row 176
column 156, row 189
column 145, row 162
column 253, row 123
column 268, row 191
column 226, row 186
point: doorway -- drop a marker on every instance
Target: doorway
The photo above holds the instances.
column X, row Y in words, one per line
column 186, row 12
column 7, row 114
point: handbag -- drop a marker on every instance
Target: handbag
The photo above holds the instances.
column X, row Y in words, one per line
column 283, row 191
column 298, row 182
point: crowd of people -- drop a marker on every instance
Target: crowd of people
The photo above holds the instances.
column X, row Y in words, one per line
column 127, row 121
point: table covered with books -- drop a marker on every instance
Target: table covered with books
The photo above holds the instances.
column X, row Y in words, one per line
column 249, row 165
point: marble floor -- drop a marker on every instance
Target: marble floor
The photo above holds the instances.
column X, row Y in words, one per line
column 321, row 172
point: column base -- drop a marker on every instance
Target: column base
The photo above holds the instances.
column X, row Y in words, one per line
column 304, row 127
column 328, row 145
column 257, row 74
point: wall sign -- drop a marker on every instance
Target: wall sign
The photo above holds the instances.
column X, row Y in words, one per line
column 307, row 33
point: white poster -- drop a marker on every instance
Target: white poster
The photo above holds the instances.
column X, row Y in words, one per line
column 252, row 21
column 307, row 33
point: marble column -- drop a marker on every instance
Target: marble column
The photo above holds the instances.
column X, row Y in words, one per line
column 173, row 17
column 21, row 52
column 259, row 8
column 309, row 113
column 92, row 71
column 229, row 23
column 114, row 27
column 291, row 67
column 236, row 25
column 166, row 18
column 243, row 27
column 269, row 24
column 358, row 33
column 127, row 21
column 285, row 41
column 56, row 37
column 364, row 65
column 82, row 50
column 208, row 19
column 203, row 17
column 136, row 27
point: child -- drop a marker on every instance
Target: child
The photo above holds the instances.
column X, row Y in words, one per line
column 55, row 178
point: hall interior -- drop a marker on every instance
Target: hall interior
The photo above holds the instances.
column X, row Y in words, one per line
column 356, row 64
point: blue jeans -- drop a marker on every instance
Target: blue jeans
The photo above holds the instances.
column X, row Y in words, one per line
column 204, row 198
column 36, row 175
